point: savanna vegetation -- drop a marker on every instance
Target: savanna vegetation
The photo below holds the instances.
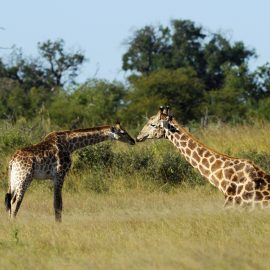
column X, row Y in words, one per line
column 142, row 206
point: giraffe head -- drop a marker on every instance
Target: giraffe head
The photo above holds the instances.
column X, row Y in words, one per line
column 118, row 133
column 155, row 126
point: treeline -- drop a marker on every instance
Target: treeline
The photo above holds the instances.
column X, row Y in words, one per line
column 204, row 76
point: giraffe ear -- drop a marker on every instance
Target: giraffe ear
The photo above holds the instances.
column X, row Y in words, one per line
column 167, row 110
column 117, row 123
column 161, row 108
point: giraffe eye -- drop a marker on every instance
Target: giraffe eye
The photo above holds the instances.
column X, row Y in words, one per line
column 153, row 125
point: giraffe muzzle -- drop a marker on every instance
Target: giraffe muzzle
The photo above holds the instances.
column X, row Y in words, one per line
column 141, row 138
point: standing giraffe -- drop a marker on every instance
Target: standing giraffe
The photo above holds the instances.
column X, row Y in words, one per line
column 51, row 159
column 241, row 181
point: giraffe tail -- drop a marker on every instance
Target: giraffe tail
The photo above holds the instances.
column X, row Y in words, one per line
column 8, row 201
column 8, row 195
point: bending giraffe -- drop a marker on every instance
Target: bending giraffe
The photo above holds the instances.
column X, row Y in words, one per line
column 51, row 159
column 242, row 182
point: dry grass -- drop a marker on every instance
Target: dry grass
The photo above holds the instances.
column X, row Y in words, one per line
column 235, row 139
column 184, row 229
column 139, row 224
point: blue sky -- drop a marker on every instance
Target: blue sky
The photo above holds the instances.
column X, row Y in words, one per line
column 99, row 28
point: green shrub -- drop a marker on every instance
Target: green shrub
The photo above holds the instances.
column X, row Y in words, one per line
column 94, row 156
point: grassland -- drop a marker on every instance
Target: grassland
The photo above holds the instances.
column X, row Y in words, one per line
column 184, row 229
column 119, row 216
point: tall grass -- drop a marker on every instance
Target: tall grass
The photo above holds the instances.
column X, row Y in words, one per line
column 136, row 207
column 184, row 229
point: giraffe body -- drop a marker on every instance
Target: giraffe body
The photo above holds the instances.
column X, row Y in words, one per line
column 240, row 180
column 51, row 159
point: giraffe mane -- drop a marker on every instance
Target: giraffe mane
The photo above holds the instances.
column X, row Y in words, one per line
column 63, row 132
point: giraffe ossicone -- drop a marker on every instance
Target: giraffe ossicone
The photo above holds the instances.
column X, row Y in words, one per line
column 241, row 181
column 51, row 159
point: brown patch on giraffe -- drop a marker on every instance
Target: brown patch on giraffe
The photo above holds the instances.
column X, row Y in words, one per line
column 176, row 143
column 204, row 171
column 258, row 196
column 252, row 173
column 247, row 195
column 239, row 189
column 218, row 174
column 207, row 154
column 184, row 137
column 228, row 163
column 191, row 144
column 260, row 183
column 265, row 193
column 200, row 151
column 188, row 152
column 238, row 200
column 205, row 162
column 211, row 159
column 239, row 167
column 195, row 156
column 249, row 186
column 183, row 144
column 234, row 178
column 261, row 174
column 177, row 136
column 224, row 184
column 216, row 165
column 228, row 173
column 231, row 190
column 267, row 197
column 241, row 177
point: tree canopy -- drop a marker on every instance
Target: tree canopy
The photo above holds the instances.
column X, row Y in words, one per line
column 198, row 73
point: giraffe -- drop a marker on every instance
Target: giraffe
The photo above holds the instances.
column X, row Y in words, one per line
column 51, row 159
column 241, row 181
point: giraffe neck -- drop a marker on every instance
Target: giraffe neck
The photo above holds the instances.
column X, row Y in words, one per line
column 80, row 138
column 206, row 161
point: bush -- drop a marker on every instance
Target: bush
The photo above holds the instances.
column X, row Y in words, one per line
column 149, row 162
column 94, row 156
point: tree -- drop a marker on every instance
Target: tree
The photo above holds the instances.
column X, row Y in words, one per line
column 152, row 48
column 96, row 102
column 55, row 67
column 181, row 45
column 219, row 53
column 60, row 67
column 187, row 46
column 146, row 49
column 32, row 83
column 181, row 89
column 262, row 80
column 233, row 101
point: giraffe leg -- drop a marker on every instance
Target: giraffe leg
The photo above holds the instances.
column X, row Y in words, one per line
column 58, row 205
column 18, row 195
